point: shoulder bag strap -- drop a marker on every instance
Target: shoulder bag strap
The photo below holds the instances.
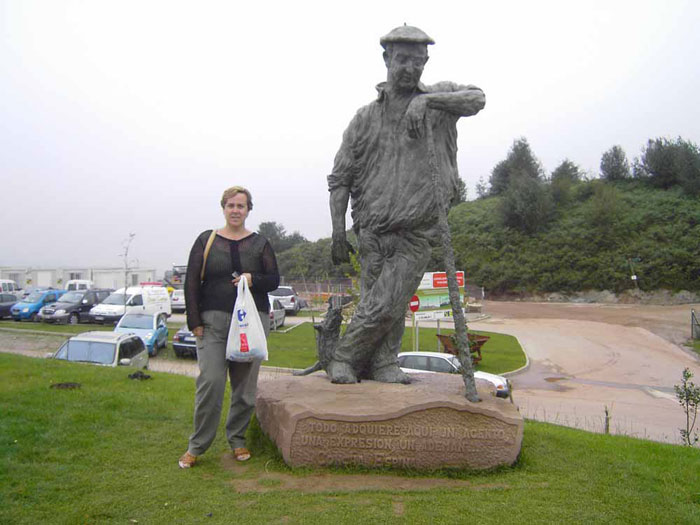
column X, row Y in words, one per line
column 207, row 249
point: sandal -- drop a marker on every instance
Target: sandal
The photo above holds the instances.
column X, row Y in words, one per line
column 241, row 454
column 187, row 460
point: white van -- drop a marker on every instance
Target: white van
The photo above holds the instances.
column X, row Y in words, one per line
column 79, row 284
column 8, row 286
column 139, row 299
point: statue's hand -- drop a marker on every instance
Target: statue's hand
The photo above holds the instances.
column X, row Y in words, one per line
column 415, row 116
column 341, row 249
column 476, row 99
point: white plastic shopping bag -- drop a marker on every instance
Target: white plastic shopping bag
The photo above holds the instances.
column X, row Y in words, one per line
column 246, row 337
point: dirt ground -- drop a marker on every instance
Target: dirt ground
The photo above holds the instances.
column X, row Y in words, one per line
column 669, row 322
column 585, row 359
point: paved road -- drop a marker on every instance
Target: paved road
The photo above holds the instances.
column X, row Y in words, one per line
column 586, row 357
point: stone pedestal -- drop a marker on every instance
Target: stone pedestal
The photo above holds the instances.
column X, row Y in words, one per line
column 428, row 424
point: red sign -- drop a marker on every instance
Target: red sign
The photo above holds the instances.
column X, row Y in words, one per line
column 244, row 343
column 440, row 279
column 414, row 304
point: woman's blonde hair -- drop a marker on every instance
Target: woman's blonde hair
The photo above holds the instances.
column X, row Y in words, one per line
column 233, row 191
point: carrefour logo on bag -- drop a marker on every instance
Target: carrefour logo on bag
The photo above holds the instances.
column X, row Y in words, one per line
column 240, row 313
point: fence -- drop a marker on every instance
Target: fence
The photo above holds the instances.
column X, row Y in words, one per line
column 694, row 326
column 310, row 290
column 329, row 286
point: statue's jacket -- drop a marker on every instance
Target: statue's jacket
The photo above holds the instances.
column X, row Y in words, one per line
column 388, row 173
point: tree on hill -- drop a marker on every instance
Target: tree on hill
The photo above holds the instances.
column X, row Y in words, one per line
column 527, row 203
column 563, row 178
column 278, row 237
column 567, row 170
column 666, row 163
column 482, row 189
column 605, row 212
column 461, row 193
column 520, row 160
column 614, row 165
column 312, row 261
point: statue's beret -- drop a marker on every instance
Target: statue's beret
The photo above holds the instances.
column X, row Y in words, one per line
column 408, row 34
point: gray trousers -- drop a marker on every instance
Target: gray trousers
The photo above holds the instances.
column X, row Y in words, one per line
column 392, row 267
column 211, row 385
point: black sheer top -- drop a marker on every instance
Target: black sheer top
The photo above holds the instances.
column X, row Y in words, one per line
column 252, row 254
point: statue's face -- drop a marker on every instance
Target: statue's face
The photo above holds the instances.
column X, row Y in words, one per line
column 404, row 63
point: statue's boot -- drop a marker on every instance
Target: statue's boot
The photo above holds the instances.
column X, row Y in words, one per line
column 341, row 372
column 390, row 374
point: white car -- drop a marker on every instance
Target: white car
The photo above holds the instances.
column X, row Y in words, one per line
column 277, row 313
column 288, row 298
column 106, row 349
column 177, row 301
column 438, row 362
column 132, row 300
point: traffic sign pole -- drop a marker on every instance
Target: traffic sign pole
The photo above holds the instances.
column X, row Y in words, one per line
column 438, row 333
column 417, row 334
column 413, row 331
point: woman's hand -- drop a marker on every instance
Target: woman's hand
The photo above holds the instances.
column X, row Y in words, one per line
column 248, row 277
column 198, row 331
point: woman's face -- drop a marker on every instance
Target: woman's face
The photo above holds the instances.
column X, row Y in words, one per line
column 236, row 210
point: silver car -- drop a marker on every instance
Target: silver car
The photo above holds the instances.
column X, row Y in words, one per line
column 436, row 362
column 277, row 313
column 177, row 301
column 289, row 299
column 106, row 349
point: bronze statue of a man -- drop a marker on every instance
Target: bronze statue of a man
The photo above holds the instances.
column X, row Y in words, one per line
column 383, row 168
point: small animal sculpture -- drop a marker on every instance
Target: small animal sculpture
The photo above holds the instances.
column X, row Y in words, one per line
column 327, row 334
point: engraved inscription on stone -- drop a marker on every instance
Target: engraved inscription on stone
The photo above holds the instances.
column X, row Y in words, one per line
column 444, row 435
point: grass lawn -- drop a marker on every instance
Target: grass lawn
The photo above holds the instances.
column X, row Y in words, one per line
column 106, row 453
column 695, row 345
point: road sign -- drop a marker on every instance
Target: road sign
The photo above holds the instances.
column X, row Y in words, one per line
column 414, row 304
column 434, row 315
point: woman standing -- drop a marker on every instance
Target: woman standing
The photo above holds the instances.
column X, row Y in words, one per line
column 218, row 260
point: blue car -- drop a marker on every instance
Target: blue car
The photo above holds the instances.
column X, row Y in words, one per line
column 28, row 308
column 151, row 328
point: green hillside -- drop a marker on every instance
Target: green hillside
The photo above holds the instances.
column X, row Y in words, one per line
column 592, row 239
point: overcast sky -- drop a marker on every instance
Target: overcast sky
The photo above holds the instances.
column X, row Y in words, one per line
column 134, row 116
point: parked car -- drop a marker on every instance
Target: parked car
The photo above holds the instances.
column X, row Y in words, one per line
column 7, row 301
column 177, row 301
column 152, row 328
column 28, row 308
column 106, row 349
column 277, row 313
column 25, row 292
column 288, row 297
column 438, row 362
column 73, row 307
column 185, row 343
column 9, row 286
column 138, row 299
column 79, row 284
